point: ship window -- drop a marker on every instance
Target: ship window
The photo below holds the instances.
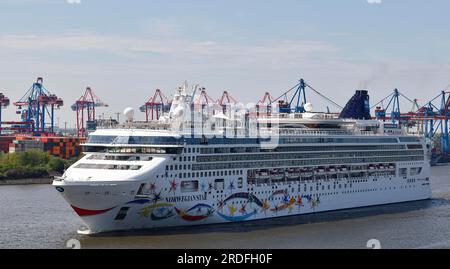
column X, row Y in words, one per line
column 219, row 184
column 100, row 139
column 117, row 158
column 240, row 182
column 189, row 186
column 141, row 189
column 107, row 166
column 122, row 213
column 409, row 139
column 403, row 172
column 416, row 171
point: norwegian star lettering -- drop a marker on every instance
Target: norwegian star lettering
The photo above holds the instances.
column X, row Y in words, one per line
column 182, row 199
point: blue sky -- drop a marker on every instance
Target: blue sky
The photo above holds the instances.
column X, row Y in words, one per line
column 126, row 49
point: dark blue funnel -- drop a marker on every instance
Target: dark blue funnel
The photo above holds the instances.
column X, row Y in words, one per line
column 358, row 107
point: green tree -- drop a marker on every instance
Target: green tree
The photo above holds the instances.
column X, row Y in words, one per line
column 56, row 165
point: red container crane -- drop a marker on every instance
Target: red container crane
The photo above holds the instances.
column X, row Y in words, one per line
column 88, row 102
column 156, row 106
column 265, row 105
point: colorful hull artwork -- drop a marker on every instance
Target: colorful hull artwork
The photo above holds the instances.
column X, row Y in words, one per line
column 157, row 212
column 286, row 203
column 196, row 213
column 251, row 201
column 251, row 206
column 238, row 218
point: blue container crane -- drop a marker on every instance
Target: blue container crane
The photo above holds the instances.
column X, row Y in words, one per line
column 298, row 100
column 396, row 116
column 36, row 105
column 436, row 118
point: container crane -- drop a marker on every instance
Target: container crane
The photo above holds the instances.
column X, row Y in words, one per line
column 203, row 102
column 396, row 116
column 36, row 105
column 298, row 100
column 156, row 106
column 226, row 101
column 88, row 102
column 436, row 115
column 4, row 103
column 265, row 104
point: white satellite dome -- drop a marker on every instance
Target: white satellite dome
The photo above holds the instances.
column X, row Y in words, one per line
column 178, row 112
column 309, row 107
column 129, row 113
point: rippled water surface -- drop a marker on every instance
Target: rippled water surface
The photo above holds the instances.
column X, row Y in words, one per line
column 37, row 217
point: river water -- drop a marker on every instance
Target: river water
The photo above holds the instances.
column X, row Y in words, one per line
column 36, row 216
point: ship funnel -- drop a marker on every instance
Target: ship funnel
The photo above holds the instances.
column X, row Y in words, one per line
column 358, row 107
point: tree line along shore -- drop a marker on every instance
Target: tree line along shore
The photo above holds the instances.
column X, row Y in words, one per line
column 31, row 166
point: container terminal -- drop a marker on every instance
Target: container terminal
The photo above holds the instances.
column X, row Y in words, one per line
column 36, row 110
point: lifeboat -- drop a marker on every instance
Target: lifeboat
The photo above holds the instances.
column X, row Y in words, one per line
column 306, row 172
column 262, row 175
column 293, row 173
column 320, row 170
column 276, row 175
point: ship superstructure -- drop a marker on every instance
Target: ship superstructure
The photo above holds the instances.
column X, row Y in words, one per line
column 200, row 164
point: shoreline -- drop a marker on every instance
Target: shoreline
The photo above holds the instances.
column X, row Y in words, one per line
column 27, row 181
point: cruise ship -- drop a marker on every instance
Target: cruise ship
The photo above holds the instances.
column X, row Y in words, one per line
column 199, row 166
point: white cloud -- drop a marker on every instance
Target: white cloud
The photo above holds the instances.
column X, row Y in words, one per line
column 374, row 1
column 70, row 62
column 73, row 2
column 175, row 50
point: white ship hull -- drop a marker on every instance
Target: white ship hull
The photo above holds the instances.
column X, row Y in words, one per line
column 197, row 168
column 100, row 210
